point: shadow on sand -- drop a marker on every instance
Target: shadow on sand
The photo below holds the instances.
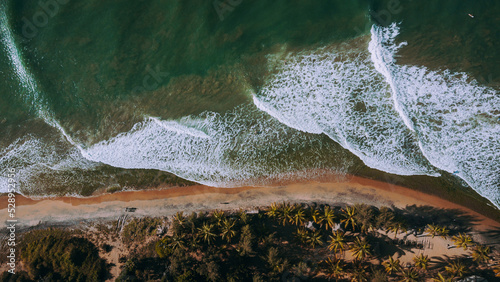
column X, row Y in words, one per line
column 418, row 217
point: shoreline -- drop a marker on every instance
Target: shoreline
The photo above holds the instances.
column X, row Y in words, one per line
column 165, row 202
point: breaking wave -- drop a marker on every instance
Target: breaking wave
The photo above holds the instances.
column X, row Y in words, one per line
column 405, row 120
column 341, row 94
column 456, row 120
column 238, row 148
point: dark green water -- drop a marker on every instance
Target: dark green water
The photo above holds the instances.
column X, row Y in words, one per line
column 95, row 93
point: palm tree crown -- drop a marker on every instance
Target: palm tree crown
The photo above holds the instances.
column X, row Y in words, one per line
column 349, row 217
column 327, row 217
column 392, row 265
column 481, row 253
column 441, row 278
column 299, row 215
column 273, row 211
column 334, row 268
column 314, row 239
column 218, row 216
column 227, row 230
column 462, row 240
column 421, row 261
column 206, row 232
column 456, row 269
column 432, row 229
column 443, row 232
column 410, row 275
column 285, row 214
column 397, row 227
column 360, row 249
column 315, row 215
column 337, row 241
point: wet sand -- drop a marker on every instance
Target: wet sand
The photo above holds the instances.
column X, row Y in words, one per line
column 166, row 202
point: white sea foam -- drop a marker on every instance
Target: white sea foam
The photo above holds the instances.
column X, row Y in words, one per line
column 211, row 149
column 179, row 128
column 236, row 148
column 405, row 120
column 456, row 120
column 382, row 48
column 34, row 158
column 395, row 118
column 341, row 94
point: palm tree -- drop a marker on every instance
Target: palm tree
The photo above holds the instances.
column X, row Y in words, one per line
column 334, row 268
column 301, row 235
column 314, row 239
column 327, row 217
column 365, row 217
column 481, row 253
column 392, row 265
column 432, row 229
column 227, row 230
column 243, row 216
column 179, row 223
column 286, row 213
column 456, row 269
column 272, row 258
column 349, row 217
column 358, row 273
column 421, row 261
column 443, row 232
column 441, row 278
column 410, row 275
column 360, row 249
column 397, row 226
column 180, row 218
column 299, row 215
column 315, row 215
column 218, row 216
column 337, row 242
column 273, row 211
column 282, row 267
column 462, row 240
column 177, row 242
column 207, row 232
column 384, row 218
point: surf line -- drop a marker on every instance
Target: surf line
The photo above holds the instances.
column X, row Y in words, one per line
column 33, row 94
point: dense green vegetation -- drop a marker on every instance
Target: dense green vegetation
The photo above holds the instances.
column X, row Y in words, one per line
column 58, row 255
column 287, row 241
column 139, row 228
column 283, row 241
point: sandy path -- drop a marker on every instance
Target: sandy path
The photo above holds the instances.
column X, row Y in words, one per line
column 166, row 202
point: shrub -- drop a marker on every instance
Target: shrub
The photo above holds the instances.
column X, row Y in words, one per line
column 61, row 256
column 138, row 229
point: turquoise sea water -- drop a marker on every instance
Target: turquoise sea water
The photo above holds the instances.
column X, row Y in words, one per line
column 229, row 93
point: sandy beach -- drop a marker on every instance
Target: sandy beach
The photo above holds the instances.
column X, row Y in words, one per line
column 85, row 212
column 166, row 202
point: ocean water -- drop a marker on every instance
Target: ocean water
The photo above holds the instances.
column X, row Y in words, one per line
column 229, row 93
